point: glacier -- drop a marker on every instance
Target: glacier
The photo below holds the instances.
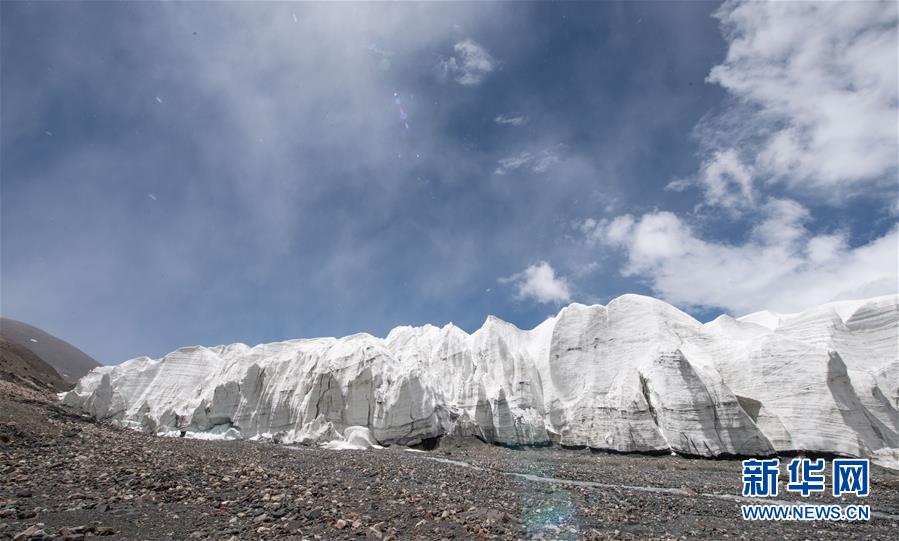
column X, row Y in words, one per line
column 635, row 375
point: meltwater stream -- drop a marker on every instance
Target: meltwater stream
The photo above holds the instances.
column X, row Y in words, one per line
column 657, row 490
column 573, row 482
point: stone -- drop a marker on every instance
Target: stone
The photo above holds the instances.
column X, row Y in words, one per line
column 26, row 533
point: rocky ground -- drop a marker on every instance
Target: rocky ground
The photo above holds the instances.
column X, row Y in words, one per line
column 63, row 476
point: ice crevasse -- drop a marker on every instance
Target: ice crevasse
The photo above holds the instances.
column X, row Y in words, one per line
column 636, row 375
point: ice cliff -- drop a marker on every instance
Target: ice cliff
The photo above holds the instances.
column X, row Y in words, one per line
column 635, row 375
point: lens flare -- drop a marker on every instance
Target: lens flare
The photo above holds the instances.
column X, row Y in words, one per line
column 404, row 118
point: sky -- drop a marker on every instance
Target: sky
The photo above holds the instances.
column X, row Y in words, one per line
column 206, row 173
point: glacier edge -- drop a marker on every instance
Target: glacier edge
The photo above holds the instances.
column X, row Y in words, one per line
column 636, row 375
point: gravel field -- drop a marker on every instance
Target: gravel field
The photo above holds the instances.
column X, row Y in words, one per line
column 65, row 477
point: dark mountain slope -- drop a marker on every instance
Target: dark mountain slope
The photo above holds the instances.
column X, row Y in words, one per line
column 70, row 362
column 21, row 366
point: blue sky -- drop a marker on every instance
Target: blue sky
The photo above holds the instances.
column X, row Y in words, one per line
column 206, row 173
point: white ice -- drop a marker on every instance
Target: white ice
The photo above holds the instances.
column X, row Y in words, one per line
column 634, row 375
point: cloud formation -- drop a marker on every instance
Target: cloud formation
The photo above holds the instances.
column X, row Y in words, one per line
column 253, row 201
column 539, row 162
column 813, row 101
column 251, row 163
column 470, row 65
column 811, row 109
column 726, row 181
column 511, row 120
column 539, row 282
column 781, row 266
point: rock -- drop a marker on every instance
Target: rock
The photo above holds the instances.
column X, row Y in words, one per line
column 278, row 513
column 26, row 533
column 340, row 524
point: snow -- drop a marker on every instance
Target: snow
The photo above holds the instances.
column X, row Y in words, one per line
column 355, row 438
column 635, row 375
column 844, row 309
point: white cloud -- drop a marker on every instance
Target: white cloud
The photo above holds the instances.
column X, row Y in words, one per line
column 540, row 283
column 546, row 160
column 814, row 100
column 586, row 268
column 538, row 163
column 781, row 266
column 725, row 180
column 511, row 120
column 611, row 232
column 813, row 105
column 589, row 227
column 508, row 164
column 470, row 64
